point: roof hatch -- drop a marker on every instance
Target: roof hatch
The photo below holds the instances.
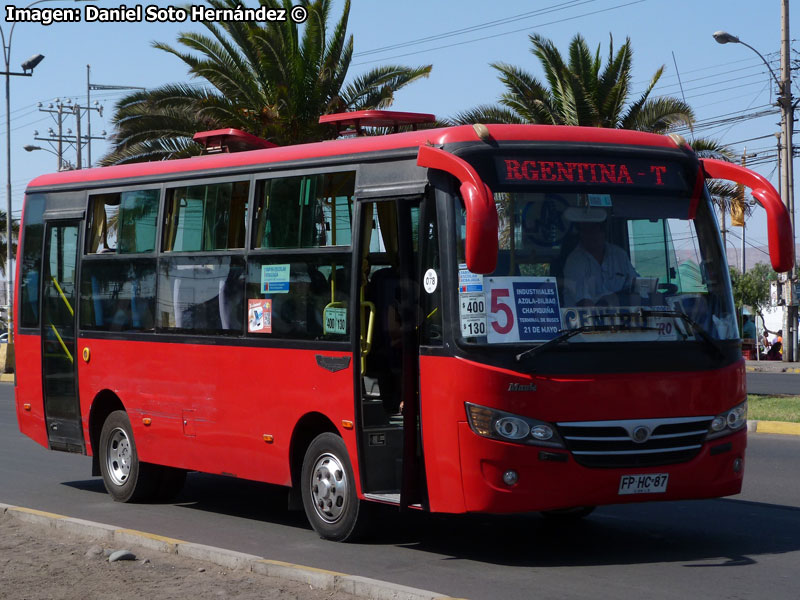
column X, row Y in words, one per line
column 230, row 140
column 352, row 123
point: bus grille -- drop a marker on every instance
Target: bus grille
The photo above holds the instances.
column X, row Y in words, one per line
column 611, row 444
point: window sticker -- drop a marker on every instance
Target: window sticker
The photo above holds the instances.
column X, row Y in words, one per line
column 468, row 281
column 430, row 281
column 335, row 320
column 522, row 309
column 275, row 279
column 259, row 316
column 603, row 200
column 471, row 303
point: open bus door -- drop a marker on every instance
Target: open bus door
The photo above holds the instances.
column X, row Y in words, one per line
column 59, row 344
column 388, row 286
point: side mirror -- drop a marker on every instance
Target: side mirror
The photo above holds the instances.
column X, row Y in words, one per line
column 482, row 222
column 779, row 225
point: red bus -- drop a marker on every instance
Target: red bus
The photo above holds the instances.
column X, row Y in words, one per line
column 411, row 319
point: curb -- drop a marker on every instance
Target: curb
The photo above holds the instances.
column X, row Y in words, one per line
column 779, row 370
column 773, row 427
column 318, row 578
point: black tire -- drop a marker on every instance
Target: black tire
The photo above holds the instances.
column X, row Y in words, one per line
column 569, row 514
column 328, row 489
column 126, row 478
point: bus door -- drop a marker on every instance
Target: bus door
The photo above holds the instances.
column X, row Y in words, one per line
column 389, row 365
column 59, row 347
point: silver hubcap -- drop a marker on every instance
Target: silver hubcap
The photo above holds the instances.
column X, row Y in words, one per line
column 119, row 456
column 329, row 488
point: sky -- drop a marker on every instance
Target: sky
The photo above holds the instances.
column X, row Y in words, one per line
column 728, row 86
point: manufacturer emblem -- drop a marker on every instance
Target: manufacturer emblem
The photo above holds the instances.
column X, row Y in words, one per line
column 640, row 435
column 521, row 387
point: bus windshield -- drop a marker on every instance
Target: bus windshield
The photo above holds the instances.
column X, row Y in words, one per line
column 620, row 265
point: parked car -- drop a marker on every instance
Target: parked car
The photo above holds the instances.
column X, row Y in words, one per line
column 4, row 338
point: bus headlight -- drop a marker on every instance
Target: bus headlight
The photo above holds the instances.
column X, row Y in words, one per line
column 500, row 425
column 728, row 422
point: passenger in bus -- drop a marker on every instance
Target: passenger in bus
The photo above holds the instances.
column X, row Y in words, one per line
column 596, row 270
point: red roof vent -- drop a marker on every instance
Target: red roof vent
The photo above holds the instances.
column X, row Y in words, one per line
column 230, row 140
column 375, row 118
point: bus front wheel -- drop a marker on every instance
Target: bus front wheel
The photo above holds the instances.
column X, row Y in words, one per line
column 328, row 489
column 126, row 478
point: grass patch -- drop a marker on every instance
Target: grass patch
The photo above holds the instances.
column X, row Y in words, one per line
column 773, row 408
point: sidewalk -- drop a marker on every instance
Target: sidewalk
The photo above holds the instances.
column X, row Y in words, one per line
column 46, row 555
column 772, row 366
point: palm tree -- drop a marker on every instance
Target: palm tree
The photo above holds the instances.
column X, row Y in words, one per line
column 4, row 245
column 580, row 91
column 272, row 80
column 583, row 92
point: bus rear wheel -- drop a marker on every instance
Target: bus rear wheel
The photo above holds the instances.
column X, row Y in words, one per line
column 126, row 478
column 328, row 489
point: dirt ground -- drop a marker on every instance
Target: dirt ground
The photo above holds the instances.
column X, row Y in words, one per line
column 39, row 563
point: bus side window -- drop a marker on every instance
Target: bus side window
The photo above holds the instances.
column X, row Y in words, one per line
column 308, row 297
column 118, row 286
column 118, row 295
column 122, row 222
column 431, row 302
column 201, row 294
column 206, row 217
column 310, row 211
column 30, row 268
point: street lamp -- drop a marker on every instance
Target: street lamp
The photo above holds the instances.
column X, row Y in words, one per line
column 63, row 165
column 27, row 71
column 787, row 171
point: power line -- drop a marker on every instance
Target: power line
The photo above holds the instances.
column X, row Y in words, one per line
column 487, row 37
column 470, row 29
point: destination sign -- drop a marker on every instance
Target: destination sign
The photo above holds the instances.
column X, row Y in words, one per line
column 599, row 172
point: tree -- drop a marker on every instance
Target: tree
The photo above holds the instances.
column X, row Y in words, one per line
column 580, row 91
column 3, row 242
column 273, row 80
column 752, row 288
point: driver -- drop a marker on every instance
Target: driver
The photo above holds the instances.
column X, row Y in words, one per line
column 596, row 268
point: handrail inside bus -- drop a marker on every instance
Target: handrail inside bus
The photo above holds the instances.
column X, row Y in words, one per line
column 481, row 243
column 779, row 225
column 63, row 297
column 63, row 345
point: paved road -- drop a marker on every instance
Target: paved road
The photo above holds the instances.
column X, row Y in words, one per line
column 660, row 550
column 773, row 383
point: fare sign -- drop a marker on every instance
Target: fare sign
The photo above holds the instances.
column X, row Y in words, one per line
column 604, row 172
column 522, row 309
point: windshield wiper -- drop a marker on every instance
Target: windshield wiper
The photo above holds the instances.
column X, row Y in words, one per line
column 565, row 334
column 695, row 326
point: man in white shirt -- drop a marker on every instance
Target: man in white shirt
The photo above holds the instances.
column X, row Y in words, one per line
column 596, row 268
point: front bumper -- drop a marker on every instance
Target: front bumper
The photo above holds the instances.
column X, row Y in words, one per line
column 551, row 479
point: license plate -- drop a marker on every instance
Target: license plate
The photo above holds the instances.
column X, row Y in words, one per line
column 653, row 483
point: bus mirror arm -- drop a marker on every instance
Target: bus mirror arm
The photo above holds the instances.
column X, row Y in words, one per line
column 482, row 222
column 779, row 226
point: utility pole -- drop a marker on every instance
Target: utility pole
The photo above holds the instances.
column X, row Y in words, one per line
column 57, row 139
column 96, row 86
column 786, row 103
column 787, row 113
